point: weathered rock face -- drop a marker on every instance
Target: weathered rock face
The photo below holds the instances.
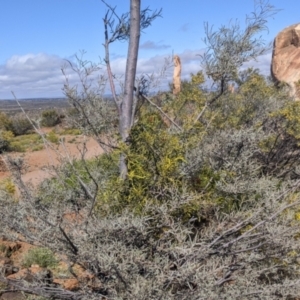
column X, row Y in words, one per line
column 177, row 75
column 285, row 65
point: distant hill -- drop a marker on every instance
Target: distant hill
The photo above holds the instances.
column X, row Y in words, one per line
column 30, row 104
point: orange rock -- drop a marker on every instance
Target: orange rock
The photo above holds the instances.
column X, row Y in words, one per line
column 33, row 273
column 22, row 274
column 15, row 250
column 70, row 284
column 78, row 270
column 177, row 75
column 285, row 65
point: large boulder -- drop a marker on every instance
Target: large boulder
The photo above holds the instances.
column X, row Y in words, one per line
column 285, row 65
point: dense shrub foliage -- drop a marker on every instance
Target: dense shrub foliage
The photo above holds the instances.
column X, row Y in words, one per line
column 21, row 125
column 210, row 204
column 209, row 210
column 50, row 118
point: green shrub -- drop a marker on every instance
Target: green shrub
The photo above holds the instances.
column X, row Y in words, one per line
column 52, row 137
column 3, row 249
column 50, row 118
column 37, row 148
column 25, row 142
column 5, row 140
column 21, row 125
column 71, row 131
column 39, row 256
column 154, row 157
column 5, row 122
column 8, row 186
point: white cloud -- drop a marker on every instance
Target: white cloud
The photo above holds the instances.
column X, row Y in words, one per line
column 39, row 75
column 31, row 75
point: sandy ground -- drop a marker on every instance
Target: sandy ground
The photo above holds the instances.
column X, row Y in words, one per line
column 39, row 163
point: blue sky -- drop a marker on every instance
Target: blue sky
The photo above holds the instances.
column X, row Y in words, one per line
column 37, row 35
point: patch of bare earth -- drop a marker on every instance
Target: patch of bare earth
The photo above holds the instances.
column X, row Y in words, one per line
column 40, row 164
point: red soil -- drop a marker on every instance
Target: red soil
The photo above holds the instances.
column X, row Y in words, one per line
column 39, row 164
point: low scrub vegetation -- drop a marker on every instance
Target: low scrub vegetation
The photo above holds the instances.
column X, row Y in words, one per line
column 209, row 211
column 39, row 256
column 50, row 118
column 208, row 206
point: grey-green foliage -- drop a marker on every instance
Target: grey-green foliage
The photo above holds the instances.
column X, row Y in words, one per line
column 66, row 188
column 154, row 256
column 90, row 111
column 229, row 47
column 240, row 240
column 229, row 230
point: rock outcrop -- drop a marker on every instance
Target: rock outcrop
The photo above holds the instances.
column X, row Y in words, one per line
column 285, row 67
column 177, row 75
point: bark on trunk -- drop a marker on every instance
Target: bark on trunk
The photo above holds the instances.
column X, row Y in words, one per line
column 130, row 73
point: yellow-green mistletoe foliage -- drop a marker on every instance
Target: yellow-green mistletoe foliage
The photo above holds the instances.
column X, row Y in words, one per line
column 154, row 156
column 156, row 151
column 153, row 151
